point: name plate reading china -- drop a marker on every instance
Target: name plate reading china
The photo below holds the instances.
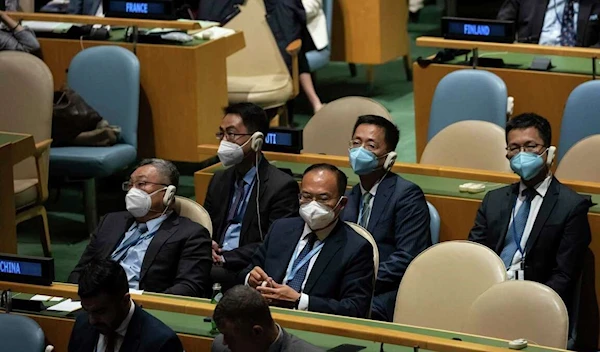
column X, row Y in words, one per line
column 29, row 270
column 147, row 9
column 478, row 29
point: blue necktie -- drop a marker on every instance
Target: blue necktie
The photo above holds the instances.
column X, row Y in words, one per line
column 516, row 229
column 296, row 282
column 120, row 252
column 567, row 32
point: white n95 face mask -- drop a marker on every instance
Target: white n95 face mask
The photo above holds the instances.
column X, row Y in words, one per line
column 138, row 202
column 230, row 153
column 316, row 215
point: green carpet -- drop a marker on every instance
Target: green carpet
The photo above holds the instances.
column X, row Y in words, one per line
column 391, row 89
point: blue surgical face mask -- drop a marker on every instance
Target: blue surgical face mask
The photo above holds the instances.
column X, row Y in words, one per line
column 363, row 161
column 527, row 165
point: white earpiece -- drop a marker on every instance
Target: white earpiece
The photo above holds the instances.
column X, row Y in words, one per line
column 169, row 195
column 551, row 153
column 390, row 159
column 256, row 141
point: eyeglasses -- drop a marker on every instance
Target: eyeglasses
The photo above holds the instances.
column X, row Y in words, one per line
column 307, row 198
column 357, row 143
column 127, row 185
column 230, row 135
column 529, row 148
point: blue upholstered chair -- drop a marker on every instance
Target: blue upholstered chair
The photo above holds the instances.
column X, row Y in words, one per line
column 580, row 118
column 468, row 95
column 20, row 333
column 317, row 59
column 108, row 79
column 434, row 223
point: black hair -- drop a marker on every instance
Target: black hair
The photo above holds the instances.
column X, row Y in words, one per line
column 392, row 133
column 253, row 116
column 103, row 276
column 164, row 167
column 341, row 178
column 244, row 307
column 531, row 119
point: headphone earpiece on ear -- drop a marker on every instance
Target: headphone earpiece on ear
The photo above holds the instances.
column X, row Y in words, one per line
column 390, row 159
column 551, row 154
column 257, row 140
column 169, row 195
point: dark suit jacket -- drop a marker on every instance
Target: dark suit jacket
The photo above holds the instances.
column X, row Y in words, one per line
column 178, row 259
column 529, row 19
column 278, row 198
column 341, row 280
column 145, row 333
column 399, row 223
column 286, row 343
column 84, row 7
column 287, row 20
column 558, row 241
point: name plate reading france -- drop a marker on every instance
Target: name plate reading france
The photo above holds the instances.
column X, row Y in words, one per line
column 152, row 9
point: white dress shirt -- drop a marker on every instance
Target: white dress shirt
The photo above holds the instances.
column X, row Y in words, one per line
column 536, row 204
column 121, row 331
column 373, row 192
column 321, row 236
column 552, row 27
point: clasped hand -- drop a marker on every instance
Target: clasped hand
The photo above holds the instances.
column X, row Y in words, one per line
column 270, row 289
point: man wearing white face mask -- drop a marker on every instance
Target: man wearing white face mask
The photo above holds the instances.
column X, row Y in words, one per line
column 538, row 226
column 316, row 262
column 393, row 209
column 159, row 250
column 244, row 199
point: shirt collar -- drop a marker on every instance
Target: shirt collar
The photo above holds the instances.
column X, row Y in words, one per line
column 155, row 223
column 373, row 189
column 541, row 188
column 122, row 329
column 322, row 233
column 249, row 176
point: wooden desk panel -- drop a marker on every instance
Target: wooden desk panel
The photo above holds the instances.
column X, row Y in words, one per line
column 544, row 93
column 183, row 91
column 369, row 32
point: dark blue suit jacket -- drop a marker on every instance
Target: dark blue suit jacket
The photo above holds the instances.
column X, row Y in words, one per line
column 341, row 280
column 145, row 333
column 399, row 223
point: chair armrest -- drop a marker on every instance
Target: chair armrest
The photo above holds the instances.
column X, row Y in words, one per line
column 42, row 147
column 293, row 49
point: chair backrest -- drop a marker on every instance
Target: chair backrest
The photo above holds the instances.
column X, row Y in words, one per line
column 468, row 95
column 434, row 223
column 442, row 282
column 581, row 162
column 108, row 79
column 193, row 211
column 470, row 144
column 338, row 118
column 20, row 333
column 261, row 55
column 26, row 93
column 367, row 235
column 520, row 309
column 580, row 118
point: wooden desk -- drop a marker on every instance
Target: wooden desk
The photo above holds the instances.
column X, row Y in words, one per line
column 440, row 184
column 544, row 93
column 323, row 330
column 13, row 149
column 183, row 87
column 370, row 32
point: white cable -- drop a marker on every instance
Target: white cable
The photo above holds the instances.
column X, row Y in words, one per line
column 257, row 195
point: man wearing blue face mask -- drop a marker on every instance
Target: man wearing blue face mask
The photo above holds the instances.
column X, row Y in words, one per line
column 538, row 226
column 159, row 250
column 245, row 198
column 393, row 209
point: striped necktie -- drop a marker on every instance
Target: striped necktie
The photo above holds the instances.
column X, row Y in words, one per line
column 365, row 213
column 121, row 251
column 516, row 229
column 296, row 282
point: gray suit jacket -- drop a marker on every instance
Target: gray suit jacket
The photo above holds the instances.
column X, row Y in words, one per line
column 285, row 343
column 21, row 41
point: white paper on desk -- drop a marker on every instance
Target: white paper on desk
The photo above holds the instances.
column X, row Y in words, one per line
column 214, row 33
column 135, row 292
column 56, row 299
column 40, row 298
column 66, row 306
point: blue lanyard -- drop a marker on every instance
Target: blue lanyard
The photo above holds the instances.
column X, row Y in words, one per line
column 304, row 260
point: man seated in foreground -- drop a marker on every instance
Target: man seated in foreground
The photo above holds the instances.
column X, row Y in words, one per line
column 244, row 320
